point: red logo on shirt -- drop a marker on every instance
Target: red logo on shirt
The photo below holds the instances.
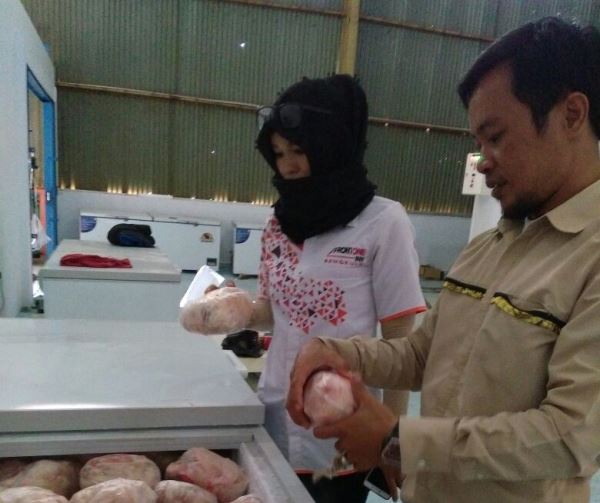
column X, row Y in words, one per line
column 346, row 255
column 304, row 300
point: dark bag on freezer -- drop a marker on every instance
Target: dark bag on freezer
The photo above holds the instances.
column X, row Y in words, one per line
column 131, row 235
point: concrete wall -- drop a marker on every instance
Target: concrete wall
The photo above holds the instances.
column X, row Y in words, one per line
column 439, row 238
column 20, row 48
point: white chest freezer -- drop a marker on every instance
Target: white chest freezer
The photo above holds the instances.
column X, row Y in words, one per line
column 246, row 248
column 99, row 387
column 149, row 291
column 190, row 243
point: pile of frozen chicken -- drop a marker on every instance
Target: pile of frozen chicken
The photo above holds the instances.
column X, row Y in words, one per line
column 196, row 476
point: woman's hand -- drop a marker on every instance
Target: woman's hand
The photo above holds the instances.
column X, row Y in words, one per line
column 220, row 310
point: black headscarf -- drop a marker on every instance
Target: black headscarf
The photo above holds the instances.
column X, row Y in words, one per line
column 337, row 189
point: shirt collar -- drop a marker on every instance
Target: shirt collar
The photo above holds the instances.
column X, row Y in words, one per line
column 574, row 215
column 356, row 220
column 505, row 225
column 353, row 222
column 577, row 213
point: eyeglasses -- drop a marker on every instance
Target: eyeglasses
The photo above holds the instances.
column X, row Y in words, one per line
column 290, row 114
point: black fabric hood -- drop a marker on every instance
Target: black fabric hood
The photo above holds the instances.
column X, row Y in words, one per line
column 332, row 133
column 332, row 142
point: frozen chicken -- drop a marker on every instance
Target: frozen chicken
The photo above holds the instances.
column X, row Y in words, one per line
column 223, row 310
column 162, row 459
column 59, row 477
column 124, row 466
column 175, row 491
column 248, row 498
column 9, row 468
column 116, row 491
column 219, row 475
column 30, row 495
column 328, row 398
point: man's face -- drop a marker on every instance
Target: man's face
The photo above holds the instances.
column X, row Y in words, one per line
column 524, row 167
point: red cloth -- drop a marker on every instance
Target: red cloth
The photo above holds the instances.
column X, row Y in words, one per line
column 84, row 260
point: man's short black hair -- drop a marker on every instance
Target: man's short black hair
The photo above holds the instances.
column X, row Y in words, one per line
column 549, row 58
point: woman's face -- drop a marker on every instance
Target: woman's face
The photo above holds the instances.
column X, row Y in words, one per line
column 290, row 159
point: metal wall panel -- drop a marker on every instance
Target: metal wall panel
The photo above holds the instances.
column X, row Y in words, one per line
column 412, row 76
column 248, row 53
column 214, row 156
column 424, row 171
column 331, row 5
column 514, row 13
column 113, row 143
column 124, row 43
column 474, row 17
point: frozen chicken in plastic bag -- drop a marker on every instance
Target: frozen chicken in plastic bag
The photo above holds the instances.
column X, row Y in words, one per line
column 162, row 459
column 30, row 495
column 116, row 491
column 114, row 466
column 328, row 398
column 219, row 475
column 9, row 468
column 175, row 491
column 248, row 498
column 223, row 310
column 59, row 477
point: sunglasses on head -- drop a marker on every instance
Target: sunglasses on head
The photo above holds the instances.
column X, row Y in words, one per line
column 289, row 114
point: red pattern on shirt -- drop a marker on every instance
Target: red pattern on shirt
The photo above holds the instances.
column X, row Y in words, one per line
column 304, row 300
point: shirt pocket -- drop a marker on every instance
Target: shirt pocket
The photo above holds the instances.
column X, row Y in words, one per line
column 527, row 311
column 512, row 353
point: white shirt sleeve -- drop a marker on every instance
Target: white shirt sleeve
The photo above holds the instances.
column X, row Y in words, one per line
column 396, row 286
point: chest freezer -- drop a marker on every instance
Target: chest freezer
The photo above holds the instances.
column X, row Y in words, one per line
column 188, row 242
column 150, row 290
column 106, row 387
column 246, row 248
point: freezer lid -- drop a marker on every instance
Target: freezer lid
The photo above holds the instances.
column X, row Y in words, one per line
column 253, row 226
column 185, row 220
column 121, row 215
column 65, row 375
column 148, row 264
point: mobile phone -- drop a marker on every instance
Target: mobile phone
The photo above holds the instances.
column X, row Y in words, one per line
column 375, row 481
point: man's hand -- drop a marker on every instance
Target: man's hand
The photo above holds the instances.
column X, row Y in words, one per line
column 360, row 435
column 312, row 357
column 393, row 478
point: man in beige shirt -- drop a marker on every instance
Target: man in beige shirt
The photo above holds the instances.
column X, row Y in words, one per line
column 508, row 360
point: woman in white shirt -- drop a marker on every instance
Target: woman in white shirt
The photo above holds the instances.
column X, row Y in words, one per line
column 336, row 259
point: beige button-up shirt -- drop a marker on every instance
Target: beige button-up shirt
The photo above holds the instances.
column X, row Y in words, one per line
column 508, row 362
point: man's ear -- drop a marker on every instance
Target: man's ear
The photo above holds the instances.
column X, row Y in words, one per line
column 576, row 109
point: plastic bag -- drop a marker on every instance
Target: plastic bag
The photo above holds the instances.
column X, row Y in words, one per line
column 39, row 238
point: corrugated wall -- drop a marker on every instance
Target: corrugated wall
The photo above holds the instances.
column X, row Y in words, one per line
column 411, row 55
column 516, row 12
column 198, row 48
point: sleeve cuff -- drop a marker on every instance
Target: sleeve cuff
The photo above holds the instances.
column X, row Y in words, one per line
column 346, row 349
column 426, row 443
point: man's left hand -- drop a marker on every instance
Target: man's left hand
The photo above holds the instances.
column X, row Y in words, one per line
column 361, row 434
